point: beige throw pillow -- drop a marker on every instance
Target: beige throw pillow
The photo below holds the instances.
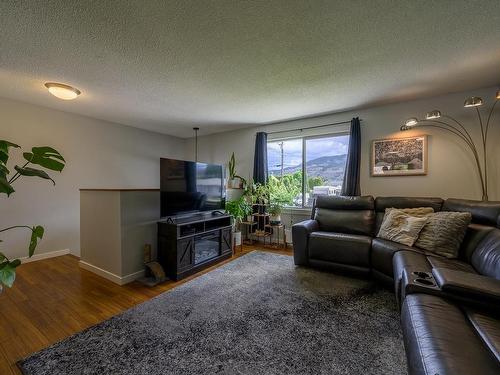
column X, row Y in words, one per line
column 418, row 212
column 444, row 233
column 399, row 226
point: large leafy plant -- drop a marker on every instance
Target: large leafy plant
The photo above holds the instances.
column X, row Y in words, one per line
column 45, row 157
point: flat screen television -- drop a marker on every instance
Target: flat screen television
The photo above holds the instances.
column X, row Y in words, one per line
column 190, row 187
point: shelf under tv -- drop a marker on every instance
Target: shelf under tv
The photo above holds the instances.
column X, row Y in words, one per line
column 190, row 244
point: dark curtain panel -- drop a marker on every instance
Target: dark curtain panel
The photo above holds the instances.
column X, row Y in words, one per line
column 351, row 176
column 260, row 159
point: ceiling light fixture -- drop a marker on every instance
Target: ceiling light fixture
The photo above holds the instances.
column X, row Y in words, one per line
column 412, row 121
column 433, row 114
column 435, row 119
column 473, row 101
column 62, row 91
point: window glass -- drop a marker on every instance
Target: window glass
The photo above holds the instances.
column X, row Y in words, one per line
column 284, row 160
column 325, row 166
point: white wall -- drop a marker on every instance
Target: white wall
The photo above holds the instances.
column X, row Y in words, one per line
column 451, row 167
column 98, row 154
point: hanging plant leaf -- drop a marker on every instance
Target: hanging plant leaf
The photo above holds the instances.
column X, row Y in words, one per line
column 4, row 150
column 46, row 157
column 27, row 171
column 5, row 187
column 2, row 257
column 36, row 234
column 4, row 171
column 7, row 274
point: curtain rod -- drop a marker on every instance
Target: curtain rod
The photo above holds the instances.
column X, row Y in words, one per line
column 312, row 127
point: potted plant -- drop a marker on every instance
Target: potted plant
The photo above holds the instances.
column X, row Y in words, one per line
column 45, row 157
column 234, row 180
column 275, row 213
column 261, row 196
column 236, row 209
column 247, row 210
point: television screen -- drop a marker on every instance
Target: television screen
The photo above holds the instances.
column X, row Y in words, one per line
column 190, row 187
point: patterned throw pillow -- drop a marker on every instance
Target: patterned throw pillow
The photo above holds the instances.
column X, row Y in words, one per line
column 444, row 233
column 418, row 212
column 398, row 226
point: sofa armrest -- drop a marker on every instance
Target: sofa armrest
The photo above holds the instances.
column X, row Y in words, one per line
column 468, row 285
column 300, row 238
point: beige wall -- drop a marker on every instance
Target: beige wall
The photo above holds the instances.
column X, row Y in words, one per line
column 451, row 167
column 99, row 154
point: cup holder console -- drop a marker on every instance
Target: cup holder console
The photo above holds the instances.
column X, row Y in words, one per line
column 422, row 275
column 425, row 282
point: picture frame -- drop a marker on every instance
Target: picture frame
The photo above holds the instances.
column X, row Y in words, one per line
column 399, row 157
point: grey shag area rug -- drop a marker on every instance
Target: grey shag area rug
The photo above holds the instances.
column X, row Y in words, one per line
column 258, row 314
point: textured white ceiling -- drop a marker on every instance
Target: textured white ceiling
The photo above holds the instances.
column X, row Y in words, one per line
column 221, row 64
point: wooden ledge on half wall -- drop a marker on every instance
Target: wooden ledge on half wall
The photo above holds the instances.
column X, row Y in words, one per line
column 139, row 189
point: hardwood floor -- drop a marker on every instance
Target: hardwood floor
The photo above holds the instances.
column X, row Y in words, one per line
column 54, row 298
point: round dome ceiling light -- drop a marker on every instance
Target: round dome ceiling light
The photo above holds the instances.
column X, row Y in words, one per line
column 62, row 91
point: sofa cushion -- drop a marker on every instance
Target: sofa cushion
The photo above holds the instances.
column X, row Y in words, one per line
column 439, row 339
column 381, row 203
column 345, row 202
column 345, row 221
column 352, row 215
column 486, row 258
column 407, row 259
column 453, row 264
column 486, row 213
column 488, row 329
column 340, row 248
column 444, row 232
column 383, row 252
column 401, row 227
column 474, row 235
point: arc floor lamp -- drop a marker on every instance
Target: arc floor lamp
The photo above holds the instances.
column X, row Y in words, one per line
column 435, row 119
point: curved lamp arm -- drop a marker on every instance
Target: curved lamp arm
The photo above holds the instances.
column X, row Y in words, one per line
column 445, row 126
column 460, row 131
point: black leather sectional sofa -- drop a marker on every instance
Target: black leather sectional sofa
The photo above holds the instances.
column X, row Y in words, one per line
column 450, row 308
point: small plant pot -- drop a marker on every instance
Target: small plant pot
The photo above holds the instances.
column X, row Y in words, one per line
column 250, row 218
column 275, row 219
column 237, row 238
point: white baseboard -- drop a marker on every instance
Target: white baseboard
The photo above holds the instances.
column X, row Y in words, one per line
column 50, row 254
column 120, row 280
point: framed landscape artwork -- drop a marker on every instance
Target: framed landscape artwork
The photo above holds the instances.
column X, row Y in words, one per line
column 399, row 156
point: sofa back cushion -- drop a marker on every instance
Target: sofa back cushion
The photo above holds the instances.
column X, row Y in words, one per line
column 444, row 232
column 474, row 235
column 486, row 213
column 381, row 203
column 351, row 215
column 486, row 258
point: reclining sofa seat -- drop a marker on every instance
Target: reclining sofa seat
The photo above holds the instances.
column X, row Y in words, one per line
column 479, row 252
column 338, row 236
column 446, row 336
column 441, row 336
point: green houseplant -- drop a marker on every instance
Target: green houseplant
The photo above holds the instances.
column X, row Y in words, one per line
column 233, row 176
column 45, row 157
column 274, row 211
column 237, row 211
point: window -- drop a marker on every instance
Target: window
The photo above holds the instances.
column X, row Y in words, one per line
column 300, row 169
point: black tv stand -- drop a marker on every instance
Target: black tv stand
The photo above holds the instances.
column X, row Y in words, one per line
column 189, row 244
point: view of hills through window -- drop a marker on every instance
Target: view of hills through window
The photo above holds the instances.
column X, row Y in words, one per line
column 325, row 159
